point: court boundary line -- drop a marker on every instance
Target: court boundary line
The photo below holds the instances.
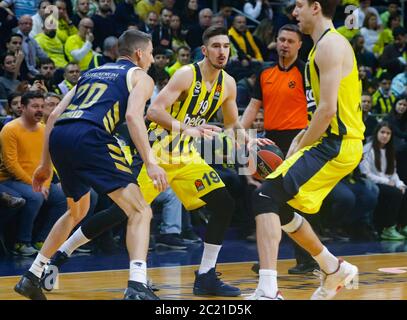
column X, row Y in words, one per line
column 192, row 265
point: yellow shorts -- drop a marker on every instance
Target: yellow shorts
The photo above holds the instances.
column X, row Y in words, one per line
column 190, row 181
column 312, row 172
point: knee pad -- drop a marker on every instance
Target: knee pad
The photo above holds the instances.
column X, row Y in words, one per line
column 220, row 200
column 293, row 225
column 103, row 221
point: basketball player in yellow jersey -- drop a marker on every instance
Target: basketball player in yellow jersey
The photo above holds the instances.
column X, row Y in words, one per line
column 179, row 113
column 319, row 157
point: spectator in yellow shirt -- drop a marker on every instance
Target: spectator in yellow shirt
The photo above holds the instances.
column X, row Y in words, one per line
column 78, row 48
column 143, row 7
column 21, row 148
column 52, row 46
column 183, row 58
column 66, row 26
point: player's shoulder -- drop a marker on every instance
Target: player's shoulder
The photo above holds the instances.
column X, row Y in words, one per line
column 332, row 46
column 229, row 79
column 333, row 41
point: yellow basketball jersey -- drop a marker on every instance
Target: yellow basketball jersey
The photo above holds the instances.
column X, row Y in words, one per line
column 348, row 122
column 196, row 109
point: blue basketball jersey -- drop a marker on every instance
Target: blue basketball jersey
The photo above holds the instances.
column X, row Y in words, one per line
column 101, row 96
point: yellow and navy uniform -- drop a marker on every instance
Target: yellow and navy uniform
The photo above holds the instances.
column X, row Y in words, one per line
column 83, row 148
column 312, row 172
column 189, row 175
column 383, row 104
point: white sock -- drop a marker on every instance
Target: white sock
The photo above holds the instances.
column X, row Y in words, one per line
column 138, row 271
column 209, row 257
column 268, row 282
column 74, row 241
column 327, row 261
column 38, row 265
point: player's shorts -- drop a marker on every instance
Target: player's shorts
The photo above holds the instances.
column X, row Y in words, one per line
column 190, row 181
column 85, row 156
column 312, row 172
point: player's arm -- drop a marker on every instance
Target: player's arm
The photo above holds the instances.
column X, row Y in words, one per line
column 179, row 83
column 231, row 115
column 142, row 90
column 250, row 113
column 330, row 64
column 44, row 170
column 229, row 107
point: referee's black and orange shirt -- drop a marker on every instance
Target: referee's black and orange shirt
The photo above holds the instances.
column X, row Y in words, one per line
column 282, row 94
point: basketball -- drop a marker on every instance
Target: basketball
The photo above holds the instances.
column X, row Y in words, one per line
column 269, row 157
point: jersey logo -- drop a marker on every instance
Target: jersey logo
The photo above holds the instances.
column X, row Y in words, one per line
column 197, row 89
column 194, row 121
column 218, row 90
column 292, row 84
column 199, row 185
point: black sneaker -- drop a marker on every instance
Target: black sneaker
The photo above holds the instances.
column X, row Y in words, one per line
column 139, row 291
column 29, row 287
column 304, row 268
column 209, row 284
column 11, row 202
column 190, row 236
column 170, row 241
column 86, row 248
column 51, row 271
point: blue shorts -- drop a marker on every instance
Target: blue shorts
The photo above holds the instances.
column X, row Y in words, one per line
column 86, row 156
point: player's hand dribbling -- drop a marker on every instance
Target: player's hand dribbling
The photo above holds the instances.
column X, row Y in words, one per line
column 158, row 175
column 258, row 141
column 202, row 131
column 41, row 174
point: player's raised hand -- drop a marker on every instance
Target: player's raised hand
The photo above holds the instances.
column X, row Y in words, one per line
column 158, row 175
column 41, row 174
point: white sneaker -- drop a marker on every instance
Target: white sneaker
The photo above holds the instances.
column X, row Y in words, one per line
column 333, row 282
column 260, row 295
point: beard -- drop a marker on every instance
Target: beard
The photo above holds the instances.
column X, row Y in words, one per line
column 215, row 65
column 105, row 10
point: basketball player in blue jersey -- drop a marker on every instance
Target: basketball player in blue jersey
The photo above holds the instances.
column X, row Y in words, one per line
column 85, row 154
column 319, row 157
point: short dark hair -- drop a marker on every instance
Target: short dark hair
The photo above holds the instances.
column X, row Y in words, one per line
column 3, row 57
column 43, row 61
column 213, row 31
column 131, row 40
column 328, row 7
column 13, row 95
column 29, row 95
column 14, row 35
column 385, row 76
column 291, row 28
column 159, row 50
column 399, row 31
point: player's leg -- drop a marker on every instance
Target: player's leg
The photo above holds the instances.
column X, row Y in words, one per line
column 196, row 185
column 29, row 284
column 267, row 203
column 139, row 214
column 308, row 181
column 89, row 230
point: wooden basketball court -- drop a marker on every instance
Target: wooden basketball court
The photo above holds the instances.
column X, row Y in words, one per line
column 176, row 282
